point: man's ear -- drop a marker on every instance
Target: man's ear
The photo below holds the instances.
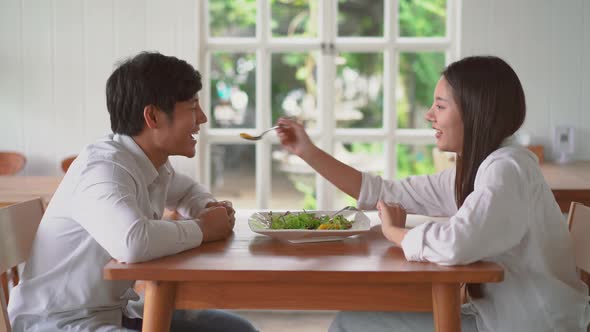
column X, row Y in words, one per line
column 151, row 116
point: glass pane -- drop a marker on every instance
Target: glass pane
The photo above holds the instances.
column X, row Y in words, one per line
column 293, row 182
column 235, row 18
column 233, row 174
column 414, row 159
column 360, row 18
column 294, row 87
column 422, row 18
column 364, row 156
column 294, row 18
column 359, row 90
column 233, row 90
column 417, row 78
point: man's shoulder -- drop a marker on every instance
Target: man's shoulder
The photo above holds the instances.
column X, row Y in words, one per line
column 108, row 152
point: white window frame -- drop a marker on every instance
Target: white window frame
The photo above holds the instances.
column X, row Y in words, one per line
column 263, row 45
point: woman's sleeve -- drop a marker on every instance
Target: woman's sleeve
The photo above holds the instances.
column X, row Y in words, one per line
column 431, row 195
column 492, row 220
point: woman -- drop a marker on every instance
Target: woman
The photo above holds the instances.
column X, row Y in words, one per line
column 500, row 210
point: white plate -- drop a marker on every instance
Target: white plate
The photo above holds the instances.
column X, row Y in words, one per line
column 360, row 224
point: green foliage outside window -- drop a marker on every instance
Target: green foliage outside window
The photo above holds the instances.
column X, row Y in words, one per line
column 418, row 71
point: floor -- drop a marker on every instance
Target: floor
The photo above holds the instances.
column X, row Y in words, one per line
column 289, row 321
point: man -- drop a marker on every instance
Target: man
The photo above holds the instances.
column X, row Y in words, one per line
column 110, row 205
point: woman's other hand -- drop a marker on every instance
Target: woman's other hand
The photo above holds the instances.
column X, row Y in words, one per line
column 393, row 221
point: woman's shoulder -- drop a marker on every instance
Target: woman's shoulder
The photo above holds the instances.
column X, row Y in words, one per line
column 511, row 162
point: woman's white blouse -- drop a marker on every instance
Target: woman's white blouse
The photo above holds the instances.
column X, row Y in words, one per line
column 511, row 218
column 109, row 205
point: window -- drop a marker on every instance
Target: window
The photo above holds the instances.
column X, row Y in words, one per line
column 360, row 75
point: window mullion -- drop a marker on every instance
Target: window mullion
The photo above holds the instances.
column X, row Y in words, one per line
column 326, row 76
column 390, row 86
column 263, row 114
column 204, row 155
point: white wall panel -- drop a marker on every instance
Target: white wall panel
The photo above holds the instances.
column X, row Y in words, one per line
column 38, row 91
column 130, row 27
column 546, row 43
column 504, row 27
column 536, row 79
column 57, row 54
column 583, row 135
column 11, row 77
column 99, row 55
column 68, row 79
column 475, row 27
column 566, row 61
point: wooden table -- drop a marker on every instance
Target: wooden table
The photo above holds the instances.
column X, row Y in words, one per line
column 14, row 189
column 569, row 182
column 250, row 271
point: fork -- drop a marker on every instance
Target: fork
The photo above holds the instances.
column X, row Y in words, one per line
column 346, row 208
column 256, row 138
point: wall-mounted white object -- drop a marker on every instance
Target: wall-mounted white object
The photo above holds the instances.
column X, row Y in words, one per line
column 563, row 144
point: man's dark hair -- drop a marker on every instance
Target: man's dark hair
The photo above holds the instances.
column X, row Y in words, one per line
column 148, row 79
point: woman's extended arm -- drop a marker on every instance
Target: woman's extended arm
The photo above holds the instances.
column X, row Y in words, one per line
column 295, row 140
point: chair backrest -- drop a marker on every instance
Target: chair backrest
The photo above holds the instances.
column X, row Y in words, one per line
column 443, row 160
column 65, row 164
column 18, row 226
column 11, row 163
column 579, row 225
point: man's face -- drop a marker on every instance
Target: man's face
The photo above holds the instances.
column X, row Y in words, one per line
column 178, row 135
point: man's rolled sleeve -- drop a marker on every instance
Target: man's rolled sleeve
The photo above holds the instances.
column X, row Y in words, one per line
column 193, row 233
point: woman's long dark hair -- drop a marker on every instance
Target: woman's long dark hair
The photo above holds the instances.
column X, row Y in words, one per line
column 492, row 105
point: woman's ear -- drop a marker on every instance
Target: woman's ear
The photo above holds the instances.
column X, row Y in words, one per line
column 151, row 116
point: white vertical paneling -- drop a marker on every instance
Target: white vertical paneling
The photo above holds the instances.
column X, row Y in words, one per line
column 474, row 27
column 56, row 56
column 504, row 22
column 182, row 17
column 583, row 134
column 534, row 70
column 68, row 79
column 161, row 26
column 39, row 112
column 99, row 51
column 187, row 34
column 130, row 24
column 566, row 62
column 11, row 77
column 186, row 49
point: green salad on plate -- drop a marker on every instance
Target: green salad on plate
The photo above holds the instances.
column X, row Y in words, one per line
column 308, row 220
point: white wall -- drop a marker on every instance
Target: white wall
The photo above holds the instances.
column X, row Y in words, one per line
column 55, row 57
column 548, row 44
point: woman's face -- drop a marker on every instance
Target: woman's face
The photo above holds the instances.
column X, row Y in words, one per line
column 446, row 118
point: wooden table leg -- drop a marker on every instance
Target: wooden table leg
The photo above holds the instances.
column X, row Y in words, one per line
column 158, row 307
column 446, row 302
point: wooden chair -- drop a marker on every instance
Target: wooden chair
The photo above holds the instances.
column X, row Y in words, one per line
column 578, row 222
column 65, row 164
column 18, row 226
column 11, row 163
column 579, row 225
column 443, row 160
